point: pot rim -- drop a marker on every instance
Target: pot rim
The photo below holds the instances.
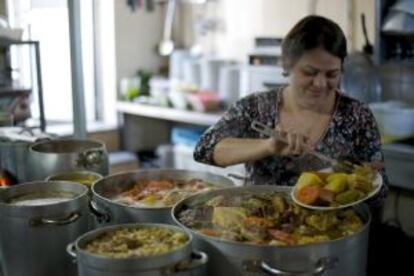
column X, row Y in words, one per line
column 366, row 216
column 81, row 173
column 95, row 144
column 145, row 262
column 52, row 184
column 147, row 171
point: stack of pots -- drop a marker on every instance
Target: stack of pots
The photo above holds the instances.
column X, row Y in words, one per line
column 33, row 238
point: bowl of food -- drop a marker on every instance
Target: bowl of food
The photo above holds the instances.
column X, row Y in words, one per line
column 329, row 190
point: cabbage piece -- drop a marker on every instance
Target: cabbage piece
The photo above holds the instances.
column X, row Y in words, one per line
column 229, row 217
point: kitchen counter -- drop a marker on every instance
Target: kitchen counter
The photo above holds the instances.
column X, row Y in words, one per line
column 169, row 114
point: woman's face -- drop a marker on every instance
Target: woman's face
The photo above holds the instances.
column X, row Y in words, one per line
column 315, row 76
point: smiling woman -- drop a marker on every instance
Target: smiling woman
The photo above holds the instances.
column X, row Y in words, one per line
column 310, row 112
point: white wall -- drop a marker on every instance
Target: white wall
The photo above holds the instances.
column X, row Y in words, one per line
column 136, row 36
column 243, row 20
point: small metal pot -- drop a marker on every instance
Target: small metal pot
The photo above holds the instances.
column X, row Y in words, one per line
column 65, row 155
column 111, row 212
column 33, row 238
column 86, row 178
column 341, row 257
column 178, row 262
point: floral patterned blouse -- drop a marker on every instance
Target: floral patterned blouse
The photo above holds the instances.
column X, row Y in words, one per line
column 351, row 133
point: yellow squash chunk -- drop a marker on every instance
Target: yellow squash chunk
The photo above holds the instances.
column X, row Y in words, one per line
column 348, row 196
column 337, row 182
column 308, row 179
column 359, row 182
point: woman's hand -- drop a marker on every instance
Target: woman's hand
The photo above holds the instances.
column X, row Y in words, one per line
column 287, row 143
column 375, row 165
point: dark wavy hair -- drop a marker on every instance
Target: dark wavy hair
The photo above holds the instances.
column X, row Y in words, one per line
column 309, row 33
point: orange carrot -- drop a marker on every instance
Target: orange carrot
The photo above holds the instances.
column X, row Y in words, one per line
column 309, row 194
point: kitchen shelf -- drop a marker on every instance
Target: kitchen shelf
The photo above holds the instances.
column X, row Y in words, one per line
column 169, row 114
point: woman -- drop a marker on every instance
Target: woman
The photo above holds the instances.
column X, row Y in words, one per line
column 308, row 112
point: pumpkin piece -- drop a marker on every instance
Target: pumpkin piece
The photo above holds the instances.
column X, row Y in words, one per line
column 308, row 179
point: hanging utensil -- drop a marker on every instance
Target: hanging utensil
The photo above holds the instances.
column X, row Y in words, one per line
column 166, row 46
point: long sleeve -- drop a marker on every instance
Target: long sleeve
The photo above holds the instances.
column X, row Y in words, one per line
column 235, row 123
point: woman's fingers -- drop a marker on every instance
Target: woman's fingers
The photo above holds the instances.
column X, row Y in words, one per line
column 376, row 165
column 294, row 143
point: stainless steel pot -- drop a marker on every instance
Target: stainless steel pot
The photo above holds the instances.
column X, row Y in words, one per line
column 111, row 212
column 177, row 262
column 56, row 156
column 86, row 178
column 33, row 238
column 14, row 150
column 341, row 257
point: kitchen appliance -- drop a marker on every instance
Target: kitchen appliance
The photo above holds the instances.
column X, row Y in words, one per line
column 210, row 72
column 112, row 212
column 33, row 238
column 267, row 51
column 261, row 78
column 341, row 257
column 64, row 155
column 229, row 83
column 178, row 262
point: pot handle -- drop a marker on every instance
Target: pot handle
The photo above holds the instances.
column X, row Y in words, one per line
column 44, row 221
column 198, row 258
column 90, row 157
column 239, row 177
column 71, row 250
column 321, row 266
column 99, row 214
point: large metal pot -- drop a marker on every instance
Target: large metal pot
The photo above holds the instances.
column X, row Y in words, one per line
column 33, row 238
column 342, row 257
column 56, row 156
column 177, row 262
column 112, row 212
